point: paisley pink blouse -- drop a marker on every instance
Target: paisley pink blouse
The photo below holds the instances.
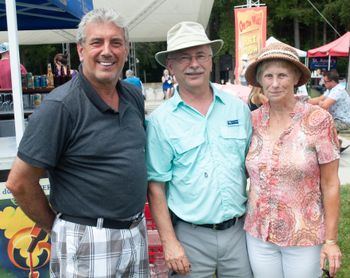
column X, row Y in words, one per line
column 285, row 200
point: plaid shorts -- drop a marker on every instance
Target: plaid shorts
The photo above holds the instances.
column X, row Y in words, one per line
column 79, row 251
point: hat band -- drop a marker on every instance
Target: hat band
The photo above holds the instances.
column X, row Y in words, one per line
column 273, row 51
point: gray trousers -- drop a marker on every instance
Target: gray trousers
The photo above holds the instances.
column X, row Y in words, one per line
column 210, row 252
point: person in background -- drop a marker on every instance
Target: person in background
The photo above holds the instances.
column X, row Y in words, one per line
column 5, row 68
column 89, row 136
column 321, row 86
column 293, row 203
column 167, row 84
column 245, row 61
column 132, row 79
column 256, row 98
column 196, row 147
column 337, row 101
column 302, row 91
column 61, row 65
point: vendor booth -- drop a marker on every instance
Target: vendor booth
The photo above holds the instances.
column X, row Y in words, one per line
column 336, row 48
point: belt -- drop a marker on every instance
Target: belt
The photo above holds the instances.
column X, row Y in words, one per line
column 103, row 222
column 220, row 226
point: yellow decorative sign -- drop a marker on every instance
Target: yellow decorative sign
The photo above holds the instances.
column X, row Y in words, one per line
column 250, row 35
column 24, row 248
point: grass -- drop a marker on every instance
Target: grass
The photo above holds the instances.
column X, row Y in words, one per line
column 344, row 231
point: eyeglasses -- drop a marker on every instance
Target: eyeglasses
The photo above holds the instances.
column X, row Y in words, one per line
column 327, row 81
column 187, row 59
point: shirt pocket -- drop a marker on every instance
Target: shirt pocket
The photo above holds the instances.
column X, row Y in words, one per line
column 234, row 140
column 186, row 143
column 187, row 148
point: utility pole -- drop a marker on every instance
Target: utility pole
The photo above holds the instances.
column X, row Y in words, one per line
column 251, row 4
column 132, row 58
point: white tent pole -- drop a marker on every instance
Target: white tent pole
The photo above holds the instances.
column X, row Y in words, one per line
column 15, row 68
column 329, row 62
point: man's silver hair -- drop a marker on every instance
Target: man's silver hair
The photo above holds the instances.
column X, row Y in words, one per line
column 101, row 16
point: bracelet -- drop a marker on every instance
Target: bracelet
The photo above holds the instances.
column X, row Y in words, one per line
column 330, row 241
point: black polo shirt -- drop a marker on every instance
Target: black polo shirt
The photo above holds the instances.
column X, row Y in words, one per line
column 95, row 156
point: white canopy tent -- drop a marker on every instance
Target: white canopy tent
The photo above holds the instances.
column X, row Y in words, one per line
column 148, row 20
column 300, row 52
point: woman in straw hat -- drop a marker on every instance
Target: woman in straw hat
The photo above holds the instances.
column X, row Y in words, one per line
column 293, row 206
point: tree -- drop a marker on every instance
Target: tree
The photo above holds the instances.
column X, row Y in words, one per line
column 309, row 28
column 148, row 68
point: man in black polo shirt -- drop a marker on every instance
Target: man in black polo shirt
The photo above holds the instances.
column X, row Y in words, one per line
column 89, row 136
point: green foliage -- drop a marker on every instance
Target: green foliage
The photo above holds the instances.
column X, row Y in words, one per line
column 222, row 24
column 148, row 68
column 36, row 57
column 280, row 17
column 344, row 14
column 344, row 231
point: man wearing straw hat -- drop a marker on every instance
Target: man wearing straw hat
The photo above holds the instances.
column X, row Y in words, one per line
column 197, row 142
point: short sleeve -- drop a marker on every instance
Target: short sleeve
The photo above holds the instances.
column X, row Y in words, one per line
column 159, row 153
column 335, row 94
column 326, row 140
column 45, row 137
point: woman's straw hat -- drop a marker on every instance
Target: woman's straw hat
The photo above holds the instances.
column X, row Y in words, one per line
column 184, row 35
column 278, row 51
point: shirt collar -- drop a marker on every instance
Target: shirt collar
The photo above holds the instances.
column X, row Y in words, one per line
column 93, row 95
column 295, row 114
column 177, row 101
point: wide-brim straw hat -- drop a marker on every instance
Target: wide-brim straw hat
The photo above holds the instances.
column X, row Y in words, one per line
column 4, row 47
column 280, row 51
column 184, row 35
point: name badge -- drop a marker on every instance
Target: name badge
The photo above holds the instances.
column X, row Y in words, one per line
column 232, row 122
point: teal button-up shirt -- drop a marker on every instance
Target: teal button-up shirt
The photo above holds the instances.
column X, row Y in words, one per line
column 201, row 158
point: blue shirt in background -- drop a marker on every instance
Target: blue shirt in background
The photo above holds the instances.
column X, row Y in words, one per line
column 135, row 81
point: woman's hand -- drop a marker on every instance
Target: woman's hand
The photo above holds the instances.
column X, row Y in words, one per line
column 331, row 252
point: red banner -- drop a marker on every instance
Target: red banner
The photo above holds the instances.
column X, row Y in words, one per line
column 250, row 36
